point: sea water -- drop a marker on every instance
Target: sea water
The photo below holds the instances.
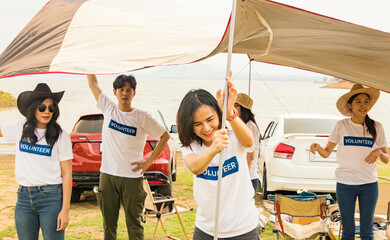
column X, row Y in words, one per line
column 271, row 98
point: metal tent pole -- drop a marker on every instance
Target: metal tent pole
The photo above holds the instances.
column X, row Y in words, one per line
column 250, row 77
column 221, row 154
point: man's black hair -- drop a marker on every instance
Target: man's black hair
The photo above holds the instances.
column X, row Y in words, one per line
column 121, row 79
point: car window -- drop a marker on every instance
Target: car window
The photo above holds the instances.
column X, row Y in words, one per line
column 89, row 124
column 268, row 130
column 309, row 125
column 272, row 131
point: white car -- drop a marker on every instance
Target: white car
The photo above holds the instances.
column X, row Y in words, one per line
column 287, row 164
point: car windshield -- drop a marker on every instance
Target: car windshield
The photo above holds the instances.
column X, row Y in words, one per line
column 94, row 123
column 89, row 124
column 309, row 125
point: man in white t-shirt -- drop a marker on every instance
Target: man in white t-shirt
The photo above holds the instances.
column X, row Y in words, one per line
column 123, row 139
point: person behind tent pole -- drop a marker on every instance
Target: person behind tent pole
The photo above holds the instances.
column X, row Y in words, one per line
column 124, row 133
column 43, row 165
column 361, row 141
column 199, row 120
column 244, row 105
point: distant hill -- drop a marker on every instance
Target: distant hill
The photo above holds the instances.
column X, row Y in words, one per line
column 342, row 84
column 7, row 100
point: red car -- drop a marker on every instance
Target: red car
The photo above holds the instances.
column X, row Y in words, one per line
column 86, row 139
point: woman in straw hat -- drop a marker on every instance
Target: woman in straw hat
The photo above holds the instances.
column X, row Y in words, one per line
column 43, row 166
column 361, row 141
column 244, row 105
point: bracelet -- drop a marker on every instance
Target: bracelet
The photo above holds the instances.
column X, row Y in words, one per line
column 231, row 118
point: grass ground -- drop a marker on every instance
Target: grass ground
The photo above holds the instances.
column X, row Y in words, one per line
column 85, row 218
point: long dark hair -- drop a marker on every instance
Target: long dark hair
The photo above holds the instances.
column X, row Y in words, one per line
column 53, row 129
column 367, row 121
column 247, row 115
column 185, row 115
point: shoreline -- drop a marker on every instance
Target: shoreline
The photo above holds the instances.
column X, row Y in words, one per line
column 342, row 84
column 6, row 108
column 8, row 101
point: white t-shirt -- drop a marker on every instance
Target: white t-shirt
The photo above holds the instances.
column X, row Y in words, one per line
column 123, row 137
column 238, row 213
column 354, row 144
column 40, row 164
column 254, row 170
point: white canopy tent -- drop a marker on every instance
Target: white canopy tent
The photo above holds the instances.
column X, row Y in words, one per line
column 133, row 35
column 105, row 37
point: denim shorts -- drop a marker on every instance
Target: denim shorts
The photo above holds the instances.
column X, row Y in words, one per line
column 38, row 208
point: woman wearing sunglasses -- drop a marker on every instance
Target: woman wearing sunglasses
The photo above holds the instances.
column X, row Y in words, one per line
column 43, row 165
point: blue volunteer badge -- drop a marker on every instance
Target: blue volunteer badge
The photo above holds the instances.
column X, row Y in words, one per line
column 358, row 141
column 122, row 128
column 229, row 167
column 43, row 150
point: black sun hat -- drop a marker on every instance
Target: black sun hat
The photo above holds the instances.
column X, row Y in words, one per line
column 41, row 91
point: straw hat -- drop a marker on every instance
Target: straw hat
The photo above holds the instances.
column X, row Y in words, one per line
column 41, row 91
column 244, row 100
column 356, row 89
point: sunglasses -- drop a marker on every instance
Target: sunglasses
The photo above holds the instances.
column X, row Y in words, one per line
column 43, row 107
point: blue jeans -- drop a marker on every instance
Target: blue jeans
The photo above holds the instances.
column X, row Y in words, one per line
column 346, row 198
column 255, row 183
column 38, row 207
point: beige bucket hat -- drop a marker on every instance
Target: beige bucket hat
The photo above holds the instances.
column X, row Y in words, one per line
column 356, row 89
column 244, row 100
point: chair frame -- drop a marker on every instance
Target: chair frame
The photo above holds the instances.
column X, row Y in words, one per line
column 322, row 210
column 154, row 212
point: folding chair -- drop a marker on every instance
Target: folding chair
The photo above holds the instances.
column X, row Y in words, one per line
column 382, row 206
column 382, row 210
column 313, row 211
column 157, row 209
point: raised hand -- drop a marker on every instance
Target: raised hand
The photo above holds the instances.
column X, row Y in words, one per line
column 232, row 95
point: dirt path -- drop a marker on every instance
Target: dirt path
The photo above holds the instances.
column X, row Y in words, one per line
column 85, row 210
column 8, row 190
column 85, row 216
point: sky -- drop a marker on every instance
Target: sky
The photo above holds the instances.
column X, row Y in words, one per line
column 14, row 15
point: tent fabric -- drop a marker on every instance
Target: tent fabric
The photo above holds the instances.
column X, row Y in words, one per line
column 40, row 41
column 325, row 45
column 104, row 37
